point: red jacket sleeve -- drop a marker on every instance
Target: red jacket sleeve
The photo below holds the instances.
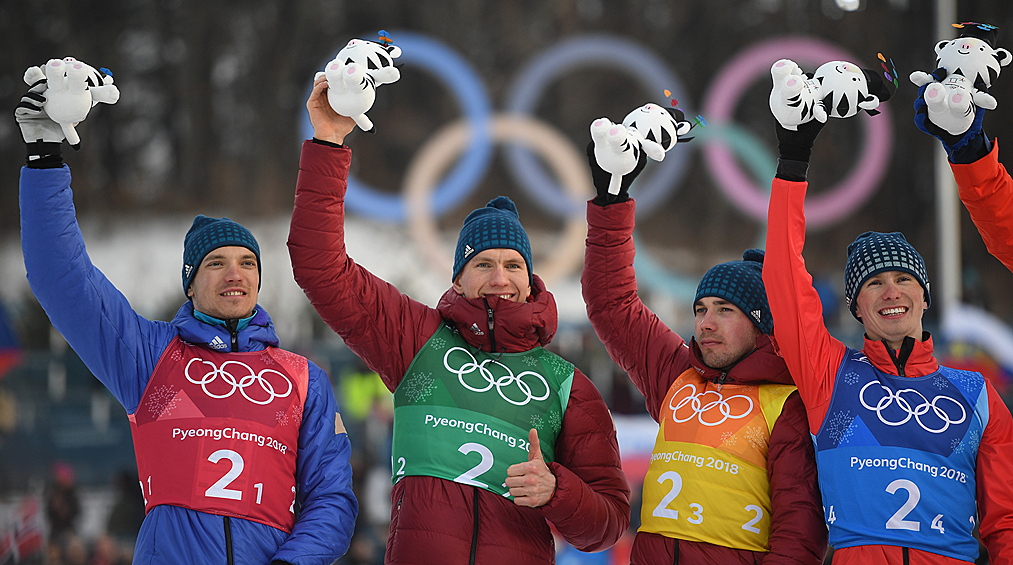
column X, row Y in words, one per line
column 636, row 339
column 798, row 534
column 987, row 191
column 591, row 505
column 382, row 326
column 810, row 352
column 994, row 490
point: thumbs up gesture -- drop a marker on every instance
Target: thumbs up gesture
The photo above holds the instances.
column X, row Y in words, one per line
column 531, row 483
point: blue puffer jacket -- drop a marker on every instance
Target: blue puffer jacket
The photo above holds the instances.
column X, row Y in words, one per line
column 122, row 348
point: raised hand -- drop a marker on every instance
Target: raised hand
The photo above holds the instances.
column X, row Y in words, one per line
column 327, row 124
column 41, row 134
column 531, row 483
column 951, row 111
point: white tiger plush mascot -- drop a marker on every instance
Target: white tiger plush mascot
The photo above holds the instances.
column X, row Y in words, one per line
column 838, row 89
column 650, row 128
column 354, row 74
column 72, row 88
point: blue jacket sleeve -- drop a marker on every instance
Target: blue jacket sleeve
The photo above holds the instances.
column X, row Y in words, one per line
column 326, row 520
column 120, row 347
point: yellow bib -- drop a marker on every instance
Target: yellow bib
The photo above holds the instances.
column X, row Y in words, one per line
column 707, row 481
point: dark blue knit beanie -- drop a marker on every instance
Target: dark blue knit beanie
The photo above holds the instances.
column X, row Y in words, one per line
column 207, row 234
column 495, row 226
column 874, row 252
column 741, row 283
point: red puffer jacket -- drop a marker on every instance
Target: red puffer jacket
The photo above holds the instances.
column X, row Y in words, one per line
column 435, row 520
column 654, row 356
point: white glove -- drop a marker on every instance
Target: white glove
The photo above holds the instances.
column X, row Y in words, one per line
column 36, row 125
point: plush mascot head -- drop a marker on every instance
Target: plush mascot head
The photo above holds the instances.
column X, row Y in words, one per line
column 72, row 88
column 659, row 127
column 973, row 54
column 847, row 88
column 378, row 59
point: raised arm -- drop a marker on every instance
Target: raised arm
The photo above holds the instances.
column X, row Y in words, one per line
column 986, row 189
column 810, row 352
column 117, row 345
column 381, row 325
column 636, row 339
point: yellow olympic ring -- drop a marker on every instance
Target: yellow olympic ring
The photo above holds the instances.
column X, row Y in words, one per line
column 431, row 161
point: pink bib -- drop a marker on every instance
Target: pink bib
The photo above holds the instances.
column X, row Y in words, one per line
column 218, row 432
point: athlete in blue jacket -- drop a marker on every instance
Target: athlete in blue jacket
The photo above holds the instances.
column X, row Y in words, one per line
column 240, row 448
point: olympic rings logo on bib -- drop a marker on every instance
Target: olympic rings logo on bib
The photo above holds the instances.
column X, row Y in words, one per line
column 918, row 411
column 695, row 401
column 243, row 382
column 500, row 383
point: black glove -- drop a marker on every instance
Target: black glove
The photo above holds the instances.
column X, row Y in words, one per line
column 794, row 149
column 42, row 135
column 601, row 179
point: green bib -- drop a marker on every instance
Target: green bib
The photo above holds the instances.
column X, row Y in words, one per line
column 463, row 415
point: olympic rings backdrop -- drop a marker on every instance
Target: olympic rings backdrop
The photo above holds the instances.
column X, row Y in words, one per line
column 424, row 196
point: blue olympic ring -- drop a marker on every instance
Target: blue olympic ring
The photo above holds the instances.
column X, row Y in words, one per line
column 582, row 50
column 456, row 74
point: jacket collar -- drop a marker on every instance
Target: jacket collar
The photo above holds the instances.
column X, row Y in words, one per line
column 516, row 326
column 762, row 366
column 257, row 335
column 920, row 361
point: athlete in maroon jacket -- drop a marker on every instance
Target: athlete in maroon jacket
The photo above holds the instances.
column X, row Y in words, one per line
column 494, row 320
column 708, row 462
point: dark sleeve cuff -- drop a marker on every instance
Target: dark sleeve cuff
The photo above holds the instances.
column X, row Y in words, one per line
column 794, row 171
column 327, row 143
column 604, row 200
column 976, row 148
column 43, row 155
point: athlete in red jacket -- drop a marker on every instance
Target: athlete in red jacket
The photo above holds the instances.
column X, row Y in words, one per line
column 912, row 455
column 458, row 447
column 699, row 394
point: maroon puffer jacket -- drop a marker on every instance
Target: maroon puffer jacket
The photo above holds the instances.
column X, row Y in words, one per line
column 434, row 520
column 654, row 356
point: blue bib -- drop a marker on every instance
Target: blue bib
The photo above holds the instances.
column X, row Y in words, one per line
column 896, row 458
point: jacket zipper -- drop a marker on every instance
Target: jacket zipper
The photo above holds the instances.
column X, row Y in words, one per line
column 492, row 326
column 228, row 541
column 900, row 358
column 721, row 380
column 232, row 326
column 474, row 527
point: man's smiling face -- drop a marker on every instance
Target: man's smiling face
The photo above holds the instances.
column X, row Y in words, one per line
column 891, row 305
column 225, row 285
column 495, row 272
